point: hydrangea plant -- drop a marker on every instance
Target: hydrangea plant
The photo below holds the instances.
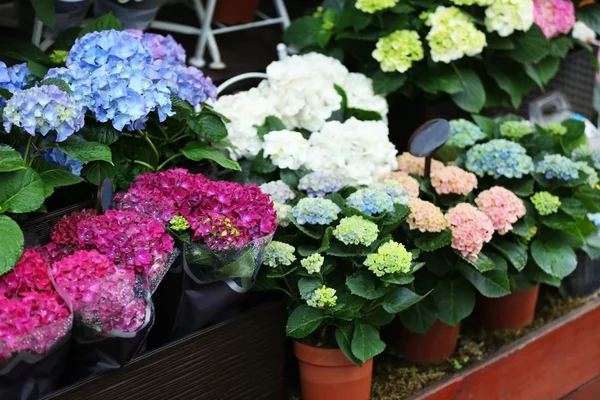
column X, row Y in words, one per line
column 338, row 260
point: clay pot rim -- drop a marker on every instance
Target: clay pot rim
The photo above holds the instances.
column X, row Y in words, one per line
column 322, row 356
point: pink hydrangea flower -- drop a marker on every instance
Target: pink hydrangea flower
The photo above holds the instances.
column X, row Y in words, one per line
column 129, row 240
column 30, row 274
column 453, row 180
column 410, row 184
column 415, row 165
column 426, row 217
column 103, row 295
column 502, row 206
column 64, row 232
column 471, row 229
column 554, row 16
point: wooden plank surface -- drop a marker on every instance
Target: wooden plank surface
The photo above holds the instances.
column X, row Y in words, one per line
column 548, row 364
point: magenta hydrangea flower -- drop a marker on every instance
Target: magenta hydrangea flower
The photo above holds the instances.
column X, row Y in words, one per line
column 64, row 232
column 554, row 16
column 453, row 180
column 471, row 229
column 502, row 206
column 30, row 274
column 103, row 295
column 128, row 239
column 162, row 47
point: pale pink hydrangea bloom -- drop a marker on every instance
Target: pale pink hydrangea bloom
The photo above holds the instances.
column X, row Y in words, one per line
column 415, row 165
column 471, row 228
column 453, row 180
column 426, row 217
column 502, row 206
column 410, row 184
column 554, row 16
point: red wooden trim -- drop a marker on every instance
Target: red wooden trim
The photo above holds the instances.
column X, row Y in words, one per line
column 589, row 391
column 547, row 364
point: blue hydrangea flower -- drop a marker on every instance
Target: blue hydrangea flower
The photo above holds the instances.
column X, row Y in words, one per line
column 558, row 166
column 499, row 157
column 97, row 49
column 464, row 133
column 78, row 79
column 278, row 191
column 371, row 201
column 584, row 152
column 43, row 109
column 318, row 184
column 14, row 78
column 193, row 86
column 162, row 47
column 595, row 218
column 394, row 189
column 58, row 157
column 315, row 210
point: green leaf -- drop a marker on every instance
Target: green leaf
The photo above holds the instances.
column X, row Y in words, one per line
column 511, row 78
column 547, row 68
column 472, row 98
column 492, row 283
column 307, row 286
column 104, row 134
column 433, row 241
column 560, row 221
column 303, row 32
column 59, row 83
column 387, row 82
column 535, row 274
column 197, row 151
column 497, row 42
column 289, row 177
column 398, row 279
column 66, row 39
column 366, row 343
column 262, row 165
column 208, row 126
column 11, row 244
column 351, row 17
column 21, row 191
column 400, row 299
column 342, row 93
column 242, row 267
column 271, row 124
column 514, row 252
column 54, row 176
column 379, row 317
column 589, row 15
column 343, row 337
column 347, row 306
column 104, row 23
column 85, row 151
column 454, row 299
column 44, row 10
column 483, row 262
column 10, row 159
column 402, row 8
column 303, row 321
column 520, row 187
column 554, row 257
column 530, row 46
column 487, row 125
column 573, row 207
column 183, row 109
column 363, row 115
column 96, row 171
column 314, row 231
column 589, row 197
column 364, row 284
column 560, row 46
column 533, row 73
column 420, row 317
column 21, row 50
column 37, row 69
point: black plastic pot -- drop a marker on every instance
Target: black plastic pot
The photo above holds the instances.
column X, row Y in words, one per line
column 585, row 280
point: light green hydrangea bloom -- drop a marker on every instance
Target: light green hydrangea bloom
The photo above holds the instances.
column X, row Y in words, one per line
column 556, row 129
column 279, row 253
column 592, row 175
column 515, row 130
column 322, row 297
column 545, row 203
column 372, row 6
column 178, row 223
column 394, row 189
column 282, row 210
column 356, row 230
column 313, row 263
column 507, row 16
column 481, row 3
column 398, row 50
column 59, row 56
column 453, row 35
column 464, row 134
column 391, row 258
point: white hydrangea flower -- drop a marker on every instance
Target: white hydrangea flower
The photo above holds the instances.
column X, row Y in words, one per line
column 583, row 32
column 246, row 110
column 360, row 151
column 359, row 90
column 507, row 16
column 286, row 149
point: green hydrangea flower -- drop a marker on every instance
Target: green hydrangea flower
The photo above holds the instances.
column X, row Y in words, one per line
column 556, row 129
column 545, row 203
column 283, row 211
column 373, row 6
column 398, row 50
column 515, row 130
column 356, row 230
column 391, row 258
column 59, row 56
column 592, row 175
column 313, row 263
column 279, row 253
column 178, row 224
column 322, row 297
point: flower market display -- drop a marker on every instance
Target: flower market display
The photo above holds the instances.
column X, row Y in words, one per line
column 111, row 104
column 480, row 53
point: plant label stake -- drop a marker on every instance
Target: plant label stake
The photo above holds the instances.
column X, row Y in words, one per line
column 427, row 139
column 104, row 195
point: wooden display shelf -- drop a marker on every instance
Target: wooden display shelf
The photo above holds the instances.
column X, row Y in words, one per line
column 560, row 360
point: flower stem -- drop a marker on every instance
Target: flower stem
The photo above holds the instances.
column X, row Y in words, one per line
column 147, row 139
column 144, row 164
column 28, row 150
column 161, row 166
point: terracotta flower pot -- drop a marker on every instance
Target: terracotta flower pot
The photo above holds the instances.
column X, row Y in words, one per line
column 514, row 311
column 231, row 12
column 326, row 374
column 434, row 346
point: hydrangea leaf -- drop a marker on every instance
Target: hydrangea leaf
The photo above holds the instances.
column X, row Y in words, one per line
column 10, row 159
column 348, row 306
column 554, row 257
column 433, row 241
column 366, row 342
column 454, row 299
column 515, row 252
column 303, row 321
column 21, row 191
column 44, row 10
column 364, row 284
column 208, row 126
column 11, row 244
column 103, row 23
column 420, row 317
column 492, row 283
column 400, row 299
column 343, row 337
column 54, row 176
column 472, row 98
column 85, row 151
column 306, row 287
column 96, row 171
column 197, row 151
